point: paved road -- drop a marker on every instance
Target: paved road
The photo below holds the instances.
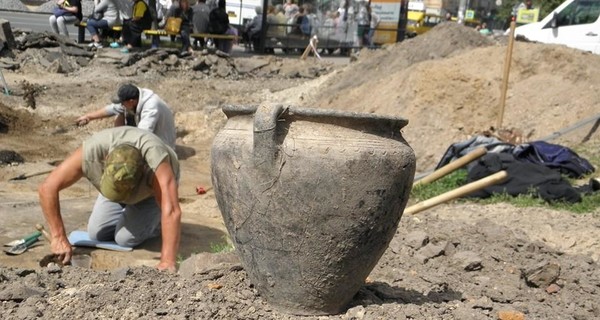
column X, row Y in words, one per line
column 33, row 21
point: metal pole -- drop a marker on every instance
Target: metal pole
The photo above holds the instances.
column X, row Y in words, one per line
column 462, row 7
column 263, row 27
column 402, row 21
column 154, row 14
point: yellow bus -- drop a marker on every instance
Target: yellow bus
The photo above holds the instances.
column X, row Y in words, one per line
column 420, row 22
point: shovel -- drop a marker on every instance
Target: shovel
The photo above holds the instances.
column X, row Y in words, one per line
column 34, row 235
column 25, row 175
column 20, row 248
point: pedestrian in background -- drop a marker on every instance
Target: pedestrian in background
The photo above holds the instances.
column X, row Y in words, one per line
column 186, row 13
column 219, row 24
column 200, row 21
column 66, row 12
column 141, row 19
column 110, row 17
column 374, row 23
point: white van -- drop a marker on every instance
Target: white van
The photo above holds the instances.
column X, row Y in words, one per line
column 574, row 23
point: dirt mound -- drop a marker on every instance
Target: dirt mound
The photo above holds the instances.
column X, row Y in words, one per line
column 12, row 120
column 433, row 269
column 443, row 41
column 448, row 85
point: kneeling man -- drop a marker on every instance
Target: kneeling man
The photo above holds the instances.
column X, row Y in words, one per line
column 137, row 176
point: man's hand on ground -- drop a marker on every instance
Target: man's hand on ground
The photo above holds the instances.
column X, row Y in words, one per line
column 63, row 249
column 82, row 121
column 166, row 266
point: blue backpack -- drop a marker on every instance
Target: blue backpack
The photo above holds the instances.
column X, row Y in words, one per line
column 555, row 157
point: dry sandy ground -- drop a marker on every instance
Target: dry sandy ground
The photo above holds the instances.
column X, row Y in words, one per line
column 455, row 261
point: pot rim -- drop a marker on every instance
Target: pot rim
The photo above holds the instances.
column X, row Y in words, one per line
column 291, row 112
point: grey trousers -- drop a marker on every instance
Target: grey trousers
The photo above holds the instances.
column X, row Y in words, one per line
column 59, row 25
column 127, row 225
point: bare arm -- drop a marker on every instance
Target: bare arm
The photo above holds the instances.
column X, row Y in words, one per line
column 165, row 189
column 101, row 6
column 86, row 118
column 66, row 174
column 72, row 9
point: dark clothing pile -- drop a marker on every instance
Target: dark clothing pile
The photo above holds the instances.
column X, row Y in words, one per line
column 523, row 178
column 535, row 167
column 553, row 156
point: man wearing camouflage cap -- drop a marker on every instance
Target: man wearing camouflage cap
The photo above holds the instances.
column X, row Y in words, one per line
column 136, row 174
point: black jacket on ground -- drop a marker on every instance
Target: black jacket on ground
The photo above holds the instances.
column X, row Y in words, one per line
column 523, row 178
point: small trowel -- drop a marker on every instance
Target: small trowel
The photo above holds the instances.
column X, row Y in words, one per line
column 34, row 235
column 22, row 247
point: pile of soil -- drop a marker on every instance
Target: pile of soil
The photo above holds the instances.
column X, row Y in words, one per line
column 454, row 261
column 447, row 83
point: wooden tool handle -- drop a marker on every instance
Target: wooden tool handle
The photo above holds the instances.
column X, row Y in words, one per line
column 453, row 166
column 459, row 192
column 43, row 231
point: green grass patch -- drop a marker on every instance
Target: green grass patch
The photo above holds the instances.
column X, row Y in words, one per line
column 456, row 179
column 221, row 247
column 588, row 204
column 449, row 182
column 179, row 259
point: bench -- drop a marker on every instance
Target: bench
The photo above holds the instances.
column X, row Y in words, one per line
column 193, row 35
column 214, row 36
column 81, row 33
column 81, row 30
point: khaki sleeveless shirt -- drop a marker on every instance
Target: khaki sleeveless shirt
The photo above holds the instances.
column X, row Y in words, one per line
column 153, row 149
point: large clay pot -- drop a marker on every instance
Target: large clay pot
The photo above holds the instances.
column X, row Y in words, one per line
column 311, row 199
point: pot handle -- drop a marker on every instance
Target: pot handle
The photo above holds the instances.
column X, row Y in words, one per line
column 265, row 146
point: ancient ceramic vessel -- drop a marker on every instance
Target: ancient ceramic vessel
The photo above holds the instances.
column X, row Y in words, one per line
column 311, row 199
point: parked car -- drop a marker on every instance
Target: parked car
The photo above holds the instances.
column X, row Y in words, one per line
column 574, row 23
column 420, row 22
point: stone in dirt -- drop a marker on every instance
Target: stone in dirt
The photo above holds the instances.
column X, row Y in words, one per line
column 6, row 34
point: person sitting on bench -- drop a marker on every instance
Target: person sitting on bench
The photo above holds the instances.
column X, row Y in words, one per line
column 218, row 23
column 141, row 19
column 186, row 13
column 251, row 32
column 66, row 12
column 110, row 18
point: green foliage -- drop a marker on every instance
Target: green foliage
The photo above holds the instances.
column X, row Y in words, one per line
column 220, row 247
column 588, row 204
column 445, row 184
column 179, row 259
column 546, row 6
